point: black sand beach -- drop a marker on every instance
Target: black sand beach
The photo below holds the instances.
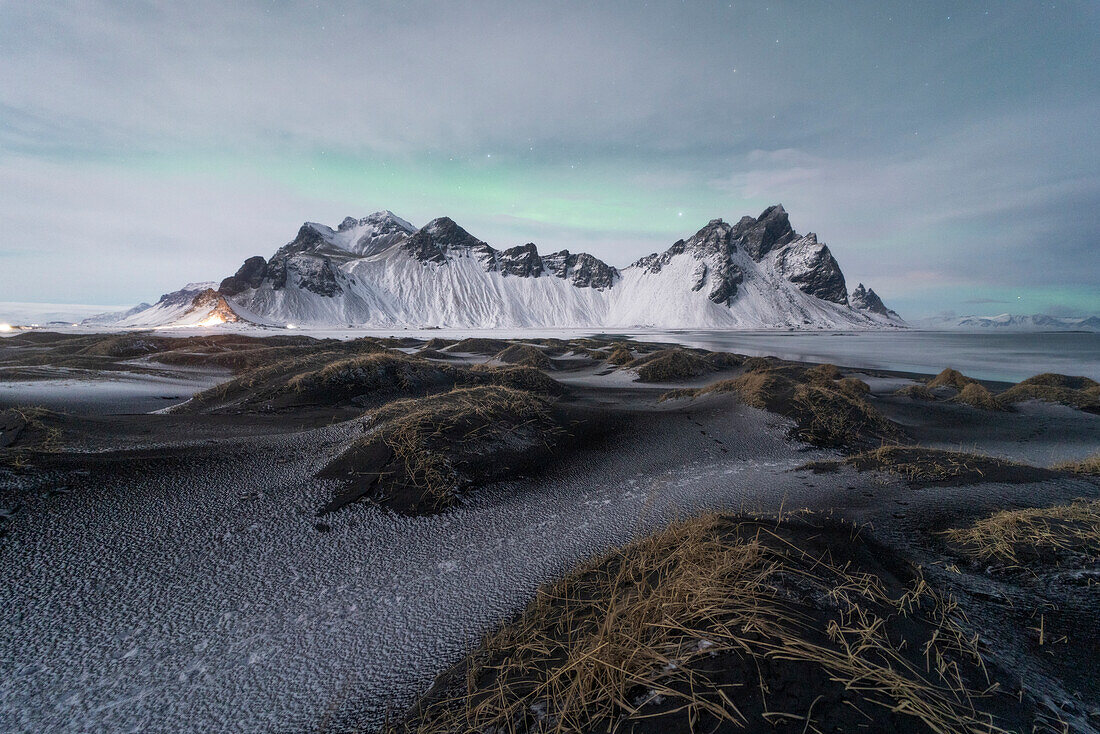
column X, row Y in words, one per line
column 286, row 545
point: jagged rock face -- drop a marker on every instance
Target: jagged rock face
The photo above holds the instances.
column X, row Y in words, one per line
column 809, row 265
column 522, row 261
column 249, row 275
column 315, row 274
column 433, row 241
column 309, row 239
column 865, row 299
column 713, row 246
column 581, row 269
column 760, row 236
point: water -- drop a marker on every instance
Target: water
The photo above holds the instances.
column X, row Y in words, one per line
column 1003, row 356
column 1010, row 357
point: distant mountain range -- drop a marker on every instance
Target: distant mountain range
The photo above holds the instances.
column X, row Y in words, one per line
column 380, row 271
column 1012, row 322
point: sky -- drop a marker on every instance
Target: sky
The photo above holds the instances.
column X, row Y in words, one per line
column 948, row 153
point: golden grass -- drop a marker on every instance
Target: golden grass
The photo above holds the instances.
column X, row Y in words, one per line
column 36, row 436
column 927, row 465
column 831, row 417
column 752, row 364
column 826, row 372
column 516, row 377
column 978, row 397
column 1089, row 466
column 251, row 379
column 1078, row 392
column 620, row 355
column 643, row 624
column 670, row 364
column 950, row 378
column 853, row 386
column 827, row 413
column 764, row 389
column 427, row 434
column 525, row 355
column 369, row 372
column 916, row 392
column 1014, row 536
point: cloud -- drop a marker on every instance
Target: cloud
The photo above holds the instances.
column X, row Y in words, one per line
column 991, row 204
column 938, row 157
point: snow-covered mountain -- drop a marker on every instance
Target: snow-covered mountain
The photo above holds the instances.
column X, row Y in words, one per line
column 380, row 271
column 1013, row 322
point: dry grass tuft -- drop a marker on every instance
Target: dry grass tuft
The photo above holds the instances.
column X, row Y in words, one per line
column 427, row 450
column 977, row 396
column 701, row 625
column 853, row 386
column 767, row 390
column 358, row 375
column 950, row 378
column 670, row 364
column 1050, row 536
column 1089, row 466
column 830, row 417
column 827, row 413
column 1077, row 392
column 25, row 431
column 823, row 372
column 936, row 466
column 753, row 364
column 916, row 392
column 526, row 356
column 518, row 378
column 620, row 355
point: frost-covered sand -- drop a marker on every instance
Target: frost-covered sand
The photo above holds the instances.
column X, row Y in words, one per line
column 192, row 587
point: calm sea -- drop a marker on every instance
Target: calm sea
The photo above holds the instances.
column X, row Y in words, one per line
column 986, row 356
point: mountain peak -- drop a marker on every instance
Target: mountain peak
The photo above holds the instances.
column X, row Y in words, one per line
column 431, row 242
column 865, row 299
column 387, row 220
column 762, row 235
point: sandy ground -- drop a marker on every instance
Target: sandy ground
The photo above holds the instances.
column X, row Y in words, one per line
column 191, row 588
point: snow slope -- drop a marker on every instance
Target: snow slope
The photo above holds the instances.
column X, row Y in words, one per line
column 381, row 272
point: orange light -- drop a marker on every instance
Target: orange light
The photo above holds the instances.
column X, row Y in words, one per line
column 212, row 320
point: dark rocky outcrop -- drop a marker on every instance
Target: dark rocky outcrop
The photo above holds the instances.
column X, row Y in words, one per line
column 522, row 261
column 249, row 275
column 808, row 264
column 762, row 235
column 434, row 240
column 581, row 269
column 865, row 299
